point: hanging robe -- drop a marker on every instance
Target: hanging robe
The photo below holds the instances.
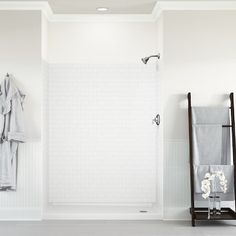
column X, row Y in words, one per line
column 11, row 132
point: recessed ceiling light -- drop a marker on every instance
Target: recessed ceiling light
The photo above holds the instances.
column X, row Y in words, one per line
column 102, row 9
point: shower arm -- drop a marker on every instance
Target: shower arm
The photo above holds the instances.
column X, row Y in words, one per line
column 146, row 59
column 157, row 55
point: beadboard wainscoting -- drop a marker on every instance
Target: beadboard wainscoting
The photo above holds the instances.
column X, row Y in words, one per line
column 25, row 203
column 176, row 179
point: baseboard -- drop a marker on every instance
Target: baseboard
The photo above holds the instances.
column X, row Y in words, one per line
column 104, row 216
column 176, row 213
column 20, row 214
column 35, row 214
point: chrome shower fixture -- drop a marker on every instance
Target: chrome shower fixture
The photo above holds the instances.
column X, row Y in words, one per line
column 146, row 59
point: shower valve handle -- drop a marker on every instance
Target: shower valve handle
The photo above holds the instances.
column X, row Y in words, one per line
column 157, row 120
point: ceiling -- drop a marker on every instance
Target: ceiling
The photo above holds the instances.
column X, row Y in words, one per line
column 90, row 6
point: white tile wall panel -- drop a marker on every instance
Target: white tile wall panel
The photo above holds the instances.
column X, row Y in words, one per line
column 102, row 144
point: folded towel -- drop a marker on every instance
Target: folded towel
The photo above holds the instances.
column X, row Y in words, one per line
column 214, row 116
column 200, row 172
column 228, row 171
column 207, row 144
column 210, row 115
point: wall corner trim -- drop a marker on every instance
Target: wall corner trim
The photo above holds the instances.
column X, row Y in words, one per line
column 160, row 6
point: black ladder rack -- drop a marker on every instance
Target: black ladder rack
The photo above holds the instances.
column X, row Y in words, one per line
column 201, row 213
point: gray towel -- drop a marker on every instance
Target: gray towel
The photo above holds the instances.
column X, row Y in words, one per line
column 210, row 115
column 199, row 174
column 207, row 144
column 211, row 146
column 201, row 170
column 228, row 171
column 213, row 116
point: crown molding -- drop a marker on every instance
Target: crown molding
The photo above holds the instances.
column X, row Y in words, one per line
column 101, row 18
column 26, row 6
column 197, row 5
column 179, row 5
column 160, row 6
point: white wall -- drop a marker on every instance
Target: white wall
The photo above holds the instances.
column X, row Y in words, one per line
column 20, row 47
column 20, row 55
column 101, row 43
column 200, row 57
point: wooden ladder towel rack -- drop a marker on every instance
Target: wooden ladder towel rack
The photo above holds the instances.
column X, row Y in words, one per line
column 201, row 213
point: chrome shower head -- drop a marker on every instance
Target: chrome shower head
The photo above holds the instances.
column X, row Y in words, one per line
column 146, row 59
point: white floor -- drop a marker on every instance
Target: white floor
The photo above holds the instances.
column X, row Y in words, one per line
column 115, row 228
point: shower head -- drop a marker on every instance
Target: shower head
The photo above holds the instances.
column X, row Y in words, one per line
column 146, row 59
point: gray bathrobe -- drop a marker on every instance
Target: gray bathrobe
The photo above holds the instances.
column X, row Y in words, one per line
column 11, row 131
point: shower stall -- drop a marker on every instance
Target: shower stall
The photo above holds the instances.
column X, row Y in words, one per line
column 104, row 138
